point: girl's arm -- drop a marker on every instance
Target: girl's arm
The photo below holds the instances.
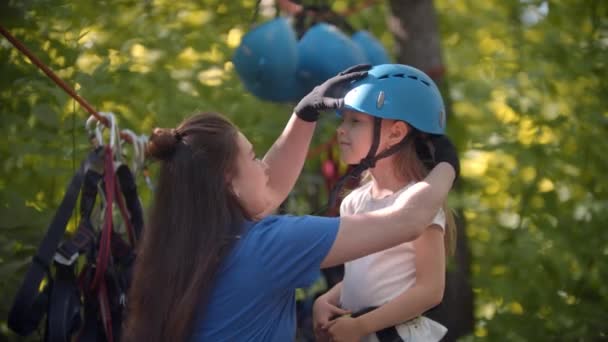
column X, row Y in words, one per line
column 424, row 295
column 286, row 158
column 326, row 308
column 333, row 295
column 404, row 221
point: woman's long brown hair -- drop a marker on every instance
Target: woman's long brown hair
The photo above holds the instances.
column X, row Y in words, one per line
column 189, row 229
column 410, row 165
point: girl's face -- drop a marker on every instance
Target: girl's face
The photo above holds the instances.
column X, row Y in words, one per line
column 250, row 181
column 355, row 135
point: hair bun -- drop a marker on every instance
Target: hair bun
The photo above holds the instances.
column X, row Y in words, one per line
column 162, row 143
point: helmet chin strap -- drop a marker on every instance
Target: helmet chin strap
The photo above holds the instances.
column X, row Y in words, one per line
column 369, row 161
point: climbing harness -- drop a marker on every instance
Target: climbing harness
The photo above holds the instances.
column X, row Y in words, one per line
column 102, row 283
column 79, row 285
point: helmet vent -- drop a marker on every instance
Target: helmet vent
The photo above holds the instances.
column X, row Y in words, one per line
column 417, row 79
column 402, row 75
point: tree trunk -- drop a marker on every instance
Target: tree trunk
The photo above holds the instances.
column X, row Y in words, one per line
column 416, row 32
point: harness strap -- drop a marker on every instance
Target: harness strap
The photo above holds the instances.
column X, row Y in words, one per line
column 389, row 334
column 29, row 304
column 131, row 206
column 64, row 306
column 125, row 215
column 128, row 188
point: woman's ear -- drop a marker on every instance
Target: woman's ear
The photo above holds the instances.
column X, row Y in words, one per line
column 232, row 187
column 235, row 192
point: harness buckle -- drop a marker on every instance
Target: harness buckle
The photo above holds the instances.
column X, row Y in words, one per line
column 60, row 258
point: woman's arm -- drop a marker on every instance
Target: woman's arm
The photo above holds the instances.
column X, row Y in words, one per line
column 404, row 221
column 286, row 158
column 424, row 295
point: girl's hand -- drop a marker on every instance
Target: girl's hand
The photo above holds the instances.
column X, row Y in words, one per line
column 322, row 312
column 345, row 329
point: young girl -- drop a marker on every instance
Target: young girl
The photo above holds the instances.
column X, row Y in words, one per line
column 396, row 109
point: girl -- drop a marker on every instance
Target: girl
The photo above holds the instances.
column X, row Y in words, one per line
column 213, row 265
column 393, row 110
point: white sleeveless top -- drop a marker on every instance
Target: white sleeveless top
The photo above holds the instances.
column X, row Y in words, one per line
column 376, row 279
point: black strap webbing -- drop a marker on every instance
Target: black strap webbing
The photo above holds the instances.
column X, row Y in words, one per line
column 389, row 334
column 129, row 191
column 29, row 304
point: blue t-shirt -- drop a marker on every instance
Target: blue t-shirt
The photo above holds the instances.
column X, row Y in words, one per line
column 254, row 294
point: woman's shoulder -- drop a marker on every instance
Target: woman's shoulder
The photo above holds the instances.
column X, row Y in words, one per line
column 271, row 221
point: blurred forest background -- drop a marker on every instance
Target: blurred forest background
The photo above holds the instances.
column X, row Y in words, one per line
column 527, row 84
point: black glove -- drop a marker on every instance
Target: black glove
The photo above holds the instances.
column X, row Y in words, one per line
column 330, row 94
column 445, row 151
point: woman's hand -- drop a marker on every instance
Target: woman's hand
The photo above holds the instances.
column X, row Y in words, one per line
column 322, row 312
column 330, row 94
column 445, row 151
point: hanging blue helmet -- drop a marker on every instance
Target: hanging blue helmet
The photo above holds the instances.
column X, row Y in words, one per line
column 374, row 50
column 399, row 92
column 289, row 90
column 323, row 52
column 268, row 55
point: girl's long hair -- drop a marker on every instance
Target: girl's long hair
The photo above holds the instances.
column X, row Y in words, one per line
column 413, row 161
column 190, row 229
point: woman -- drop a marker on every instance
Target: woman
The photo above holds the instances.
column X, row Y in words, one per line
column 213, row 266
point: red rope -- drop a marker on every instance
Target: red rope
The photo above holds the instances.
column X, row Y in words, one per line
column 52, row 75
column 106, row 233
column 104, row 254
column 23, row 49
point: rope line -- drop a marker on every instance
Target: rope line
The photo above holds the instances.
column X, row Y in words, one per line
column 62, row 84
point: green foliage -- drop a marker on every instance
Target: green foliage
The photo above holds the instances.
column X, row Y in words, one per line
column 151, row 63
column 530, row 104
column 529, row 115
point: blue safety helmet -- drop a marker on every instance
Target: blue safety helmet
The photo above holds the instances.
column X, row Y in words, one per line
column 399, row 92
column 289, row 90
column 373, row 49
column 323, row 52
column 266, row 58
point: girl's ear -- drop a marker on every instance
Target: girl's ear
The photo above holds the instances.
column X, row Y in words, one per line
column 398, row 131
